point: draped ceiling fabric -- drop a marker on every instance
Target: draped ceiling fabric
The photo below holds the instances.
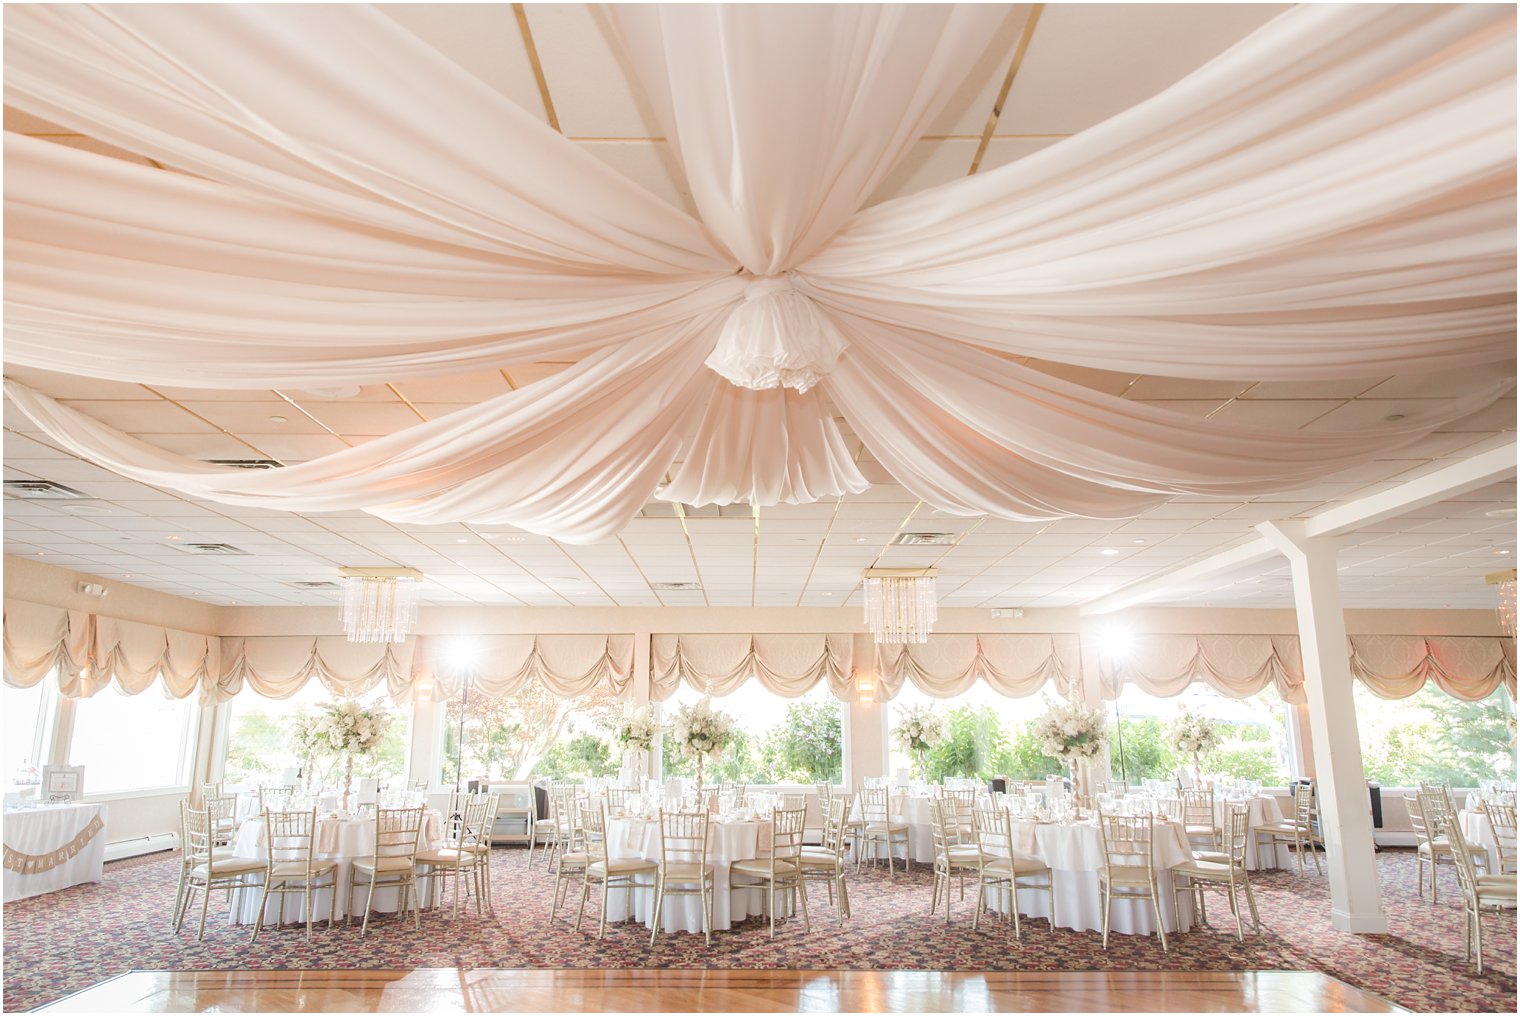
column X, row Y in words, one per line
column 498, row 666
column 1016, row 665
column 785, row 664
column 1331, row 198
column 89, row 652
column 1469, row 667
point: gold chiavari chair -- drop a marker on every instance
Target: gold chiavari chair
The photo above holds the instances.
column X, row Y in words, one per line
column 1501, row 822
column 206, row 871
column 1428, row 817
column 393, row 863
column 608, row 872
column 1129, row 868
column 1298, row 830
column 275, row 798
column 223, row 808
column 574, row 857
column 1229, row 870
column 617, row 798
column 480, row 841
column 453, row 859
column 1002, row 870
column 1492, row 893
column 1198, row 818
column 880, row 827
column 781, row 872
column 952, row 859
column 826, row 863
column 684, row 869
column 293, row 867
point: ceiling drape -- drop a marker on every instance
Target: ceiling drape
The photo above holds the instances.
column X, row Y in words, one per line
column 1332, row 197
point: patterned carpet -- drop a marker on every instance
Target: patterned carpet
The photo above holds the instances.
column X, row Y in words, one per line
column 69, row 940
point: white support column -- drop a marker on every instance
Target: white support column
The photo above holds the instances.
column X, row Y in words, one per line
column 1344, row 806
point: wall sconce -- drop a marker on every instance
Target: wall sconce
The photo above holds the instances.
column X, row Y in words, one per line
column 865, row 687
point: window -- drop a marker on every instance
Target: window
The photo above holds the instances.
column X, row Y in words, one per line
column 1432, row 736
column 987, row 734
column 1253, row 732
column 261, row 750
column 133, row 742
column 28, row 722
column 776, row 740
column 532, row 733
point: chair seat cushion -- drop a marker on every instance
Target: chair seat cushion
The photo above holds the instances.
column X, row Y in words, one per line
column 760, row 867
column 1016, row 866
column 1201, row 830
column 886, row 827
column 1496, row 886
column 1127, row 875
column 445, row 855
column 621, row 866
column 686, row 871
column 1214, row 856
column 965, row 854
column 384, row 864
column 1287, row 828
column 1204, row 869
column 819, row 854
column 574, row 858
column 227, row 866
column 298, row 869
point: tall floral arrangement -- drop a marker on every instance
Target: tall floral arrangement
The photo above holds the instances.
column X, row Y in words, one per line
column 1072, row 733
column 919, row 728
column 343, row 730
column 1193, row 735
column 638, row 730
column 700, row 731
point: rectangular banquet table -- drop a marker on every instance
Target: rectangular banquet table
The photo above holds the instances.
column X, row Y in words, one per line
column 52, row 847
column 730, row 841
column 344, row 840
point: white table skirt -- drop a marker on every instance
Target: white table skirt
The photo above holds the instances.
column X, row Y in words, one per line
column 53, row 847
column 1075, row 855
column 729, row 842
column 1480, row 833
column 342, row 840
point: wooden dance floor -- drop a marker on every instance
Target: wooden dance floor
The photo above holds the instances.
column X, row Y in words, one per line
column 447, row 990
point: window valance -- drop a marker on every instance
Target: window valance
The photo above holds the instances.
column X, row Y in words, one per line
column 90, row 652
column 568, row 665
column 279, row 666
column 1235, row 665
column 785, row 664
column 1467, row 667
column 1013, row 664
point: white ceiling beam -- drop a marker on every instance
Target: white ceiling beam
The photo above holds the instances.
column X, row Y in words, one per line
column 1470, row 474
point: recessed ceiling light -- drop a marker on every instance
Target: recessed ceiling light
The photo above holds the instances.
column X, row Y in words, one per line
column 828, row 594
column 1502, row 552
column 463, row 539
column 337, row 392
column 172, row 538
column 1108, row 552
column 1395, row 417
column 85, row 509
column 1500, row 513
column 279, row 419
column 1137, row 541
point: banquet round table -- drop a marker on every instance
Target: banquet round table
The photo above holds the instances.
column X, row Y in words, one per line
column 1074, row 853
column 1480, row 833
column 341, row 839
column 729, row 841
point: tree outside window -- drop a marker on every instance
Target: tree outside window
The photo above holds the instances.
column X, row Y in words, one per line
column 987, row 734
column 532, row 733
column 260, row 749
column 775, row 741
column 1253, row 735
column 1436, row 737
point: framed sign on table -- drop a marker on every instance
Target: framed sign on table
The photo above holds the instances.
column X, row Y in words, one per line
column 62, row 783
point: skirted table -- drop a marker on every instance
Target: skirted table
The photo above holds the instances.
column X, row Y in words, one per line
column 52, row 847
column 344, row 840
column 729, row 841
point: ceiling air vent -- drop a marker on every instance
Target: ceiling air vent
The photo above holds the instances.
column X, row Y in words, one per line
column 925, row 539
column 317, row 584
column 222, row 549
column 674, row 587
column 247, row 463
column 43, row 490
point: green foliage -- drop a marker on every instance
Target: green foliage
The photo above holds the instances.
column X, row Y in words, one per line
column 806, row 747
column 580, row 757
column 977, row 744
column 1434, row 736
column 1247, row 751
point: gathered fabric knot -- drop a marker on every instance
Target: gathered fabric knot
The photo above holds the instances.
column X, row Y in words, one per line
column 776, row 338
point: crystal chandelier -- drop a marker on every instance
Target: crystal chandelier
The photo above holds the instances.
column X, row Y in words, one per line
column 1505, row 581
column 901, row 605
column 379, row 604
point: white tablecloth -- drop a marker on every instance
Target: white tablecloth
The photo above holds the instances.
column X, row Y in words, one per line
column 53, row 847
column 344, row 840
column 729, row 842
column 1075, row 855
column 1480, row 833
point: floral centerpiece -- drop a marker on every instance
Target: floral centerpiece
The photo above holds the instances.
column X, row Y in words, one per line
column 1073, row 734
column 638, row 731
column 343, row 730
column 1193, row 735
column 919, row 728
column 699, row 730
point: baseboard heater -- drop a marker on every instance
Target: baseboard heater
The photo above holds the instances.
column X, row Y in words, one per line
column 139, row 845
